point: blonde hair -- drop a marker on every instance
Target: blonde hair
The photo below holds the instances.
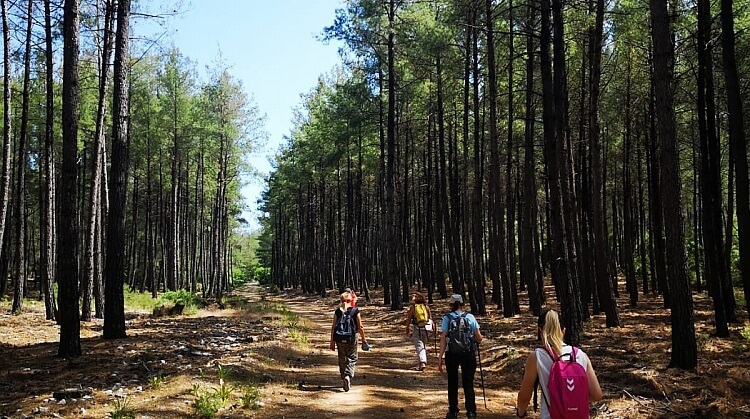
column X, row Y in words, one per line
column 346, row 298
column 552, row 334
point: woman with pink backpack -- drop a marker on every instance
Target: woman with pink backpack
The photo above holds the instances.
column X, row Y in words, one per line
column 564, row 373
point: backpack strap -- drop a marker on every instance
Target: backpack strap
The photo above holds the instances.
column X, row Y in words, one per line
column 549, row 351
column 573, row 354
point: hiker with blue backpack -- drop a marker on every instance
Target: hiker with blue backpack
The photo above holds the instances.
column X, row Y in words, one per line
column 459, row 342
column 564, row 373
column 347, row 325
column 418, row 325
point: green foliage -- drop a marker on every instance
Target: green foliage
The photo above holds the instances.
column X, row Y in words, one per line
column 239, row 277
column 121, row 409
column 156, row 381
column 195, row 390
column 298, row 336
column 244, row 247
column 224, row 372
column 224, row 391
column 206, row 405
column 261, row 274
column 140, row 301
column 746, row 333
column 185, row 297
column 250, row 397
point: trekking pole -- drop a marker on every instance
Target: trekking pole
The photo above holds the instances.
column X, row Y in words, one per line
column 481, row 375
column 434, row 333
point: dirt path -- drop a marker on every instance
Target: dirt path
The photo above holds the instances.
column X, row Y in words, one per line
column 386, row 383
column 277, row 345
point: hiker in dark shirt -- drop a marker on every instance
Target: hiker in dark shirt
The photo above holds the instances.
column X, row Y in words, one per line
column 347, row 348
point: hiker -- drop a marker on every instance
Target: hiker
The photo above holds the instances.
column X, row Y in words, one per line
column 346, row 324
column 540, row 364
column 418, row 324
column 354, row 296
column 460, row 337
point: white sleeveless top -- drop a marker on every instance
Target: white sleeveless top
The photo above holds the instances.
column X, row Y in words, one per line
column 543, row 366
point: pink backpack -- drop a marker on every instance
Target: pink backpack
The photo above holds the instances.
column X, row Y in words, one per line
column 567, row 387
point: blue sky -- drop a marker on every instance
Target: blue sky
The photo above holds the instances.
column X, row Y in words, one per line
column 270, row 45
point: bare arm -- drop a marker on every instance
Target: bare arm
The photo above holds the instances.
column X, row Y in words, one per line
column 527, row 385
column 478, row 336
column 333, row 330
column 409, row 315
column 361, row 329
column 595, row 391
column 443, row 336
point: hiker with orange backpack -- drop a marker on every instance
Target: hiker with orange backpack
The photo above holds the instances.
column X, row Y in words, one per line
column 418, row 323
column 565, row 374
column 347, row 325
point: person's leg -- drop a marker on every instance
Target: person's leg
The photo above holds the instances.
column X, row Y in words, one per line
column 341, row 348
column 351, row 358
column 468, row 369
column 451, row 367
column 417, row 337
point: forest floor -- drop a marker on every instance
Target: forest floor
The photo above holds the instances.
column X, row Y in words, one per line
column 271, row 353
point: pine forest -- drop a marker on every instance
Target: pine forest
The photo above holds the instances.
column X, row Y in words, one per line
column 586, row 155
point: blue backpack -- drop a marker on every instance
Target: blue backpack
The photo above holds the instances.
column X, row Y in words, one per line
column 346, row 325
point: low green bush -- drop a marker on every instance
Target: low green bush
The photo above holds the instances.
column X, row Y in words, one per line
column 185, row 297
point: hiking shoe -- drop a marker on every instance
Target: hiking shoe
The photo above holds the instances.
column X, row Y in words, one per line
column 471, row 415
column 451, row 415
column 347, row 383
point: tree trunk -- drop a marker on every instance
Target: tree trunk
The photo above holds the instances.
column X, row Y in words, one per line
column 47, row 210
column 656, row 211
column 114, row 320
column 476, row 284
column 601, row 245
column 716, row 275
column 737, row 142
column 444, row 211
column 96, row 163
column 569, row 290
column 7, row 129
column 21, row 158
column 497, row 259
column 642, row 220
column 529, row 218
column 627, row 211
column 510, row 203
column 70, row 328
column 684, row 348
column 391, row 243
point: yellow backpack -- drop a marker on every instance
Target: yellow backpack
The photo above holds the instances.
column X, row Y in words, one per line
column 420, row 315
